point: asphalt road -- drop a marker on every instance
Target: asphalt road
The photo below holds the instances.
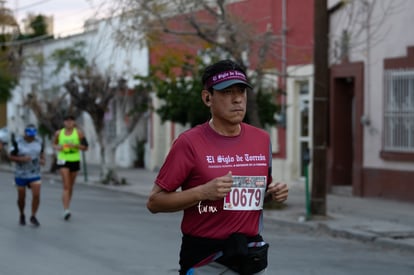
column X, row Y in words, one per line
column 113, row 233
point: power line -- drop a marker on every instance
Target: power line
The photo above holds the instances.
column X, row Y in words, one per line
column 31, row 5
column 25, row 41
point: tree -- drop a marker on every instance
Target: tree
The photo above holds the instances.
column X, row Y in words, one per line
column 95, row 94
column 39, row 25
column 203, row 24
column 87, row 90
column 11, row 41
column 9, row 55
column 7, row 82
column 361, row 29
column 48, row 104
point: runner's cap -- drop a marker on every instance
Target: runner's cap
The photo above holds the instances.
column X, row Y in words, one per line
column 225, row 79
column 30, row 130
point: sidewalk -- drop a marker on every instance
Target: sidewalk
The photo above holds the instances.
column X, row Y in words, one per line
column 389, row 224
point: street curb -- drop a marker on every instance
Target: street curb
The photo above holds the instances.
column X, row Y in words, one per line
column 350, row 234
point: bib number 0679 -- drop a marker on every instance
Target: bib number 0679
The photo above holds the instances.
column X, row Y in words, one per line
column 244, row 198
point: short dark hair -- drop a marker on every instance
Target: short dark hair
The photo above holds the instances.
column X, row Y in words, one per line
column 218, row 67
column 69, row 116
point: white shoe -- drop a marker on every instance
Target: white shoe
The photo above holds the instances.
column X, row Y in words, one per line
column 66, row 214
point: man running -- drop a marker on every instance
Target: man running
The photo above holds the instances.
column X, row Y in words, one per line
column 219, row 174
column 27, row 153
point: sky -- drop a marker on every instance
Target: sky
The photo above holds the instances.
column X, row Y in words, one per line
column 69, row 15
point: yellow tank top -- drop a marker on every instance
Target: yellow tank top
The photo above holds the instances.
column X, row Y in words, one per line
column 69, row 154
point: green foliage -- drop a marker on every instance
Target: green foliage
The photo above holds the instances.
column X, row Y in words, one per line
column 267, row 108
column 39, row 25
column 183, row 102
column 139, row 149
column 178, row 84
column 71, row 55
column 4, row 38
column 7, row 79
column 7, row 82
column 10, row 56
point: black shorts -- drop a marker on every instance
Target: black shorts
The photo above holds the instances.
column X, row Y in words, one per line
column 73, row 166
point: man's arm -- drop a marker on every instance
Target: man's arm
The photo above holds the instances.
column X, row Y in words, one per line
column 13, row 156
column 14, row 152
column 55, row 141
column 19, row 158
column 161, row 200
column 83, row 142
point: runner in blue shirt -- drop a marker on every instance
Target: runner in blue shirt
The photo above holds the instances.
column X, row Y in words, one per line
column 27, row 153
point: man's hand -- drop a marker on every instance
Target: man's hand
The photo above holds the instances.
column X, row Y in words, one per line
column 278, row 191
column 217, row 188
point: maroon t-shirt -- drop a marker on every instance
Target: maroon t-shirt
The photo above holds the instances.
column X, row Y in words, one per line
column 200, row 154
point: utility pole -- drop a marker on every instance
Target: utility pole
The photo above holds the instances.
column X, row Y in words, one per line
column 320, row 108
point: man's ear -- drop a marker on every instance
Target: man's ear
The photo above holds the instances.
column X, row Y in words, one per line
column 205, row 95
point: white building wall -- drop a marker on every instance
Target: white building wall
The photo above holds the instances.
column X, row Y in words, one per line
column 100, row 48
column 388, row 36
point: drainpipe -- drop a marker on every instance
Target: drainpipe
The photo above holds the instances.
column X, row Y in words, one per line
column 365, row 119
column 284, row 73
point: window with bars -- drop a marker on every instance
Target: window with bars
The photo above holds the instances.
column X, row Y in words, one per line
column 399, row 111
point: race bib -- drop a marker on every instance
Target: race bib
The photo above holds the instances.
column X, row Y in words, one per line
column 60, row 161
column 247, row 193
